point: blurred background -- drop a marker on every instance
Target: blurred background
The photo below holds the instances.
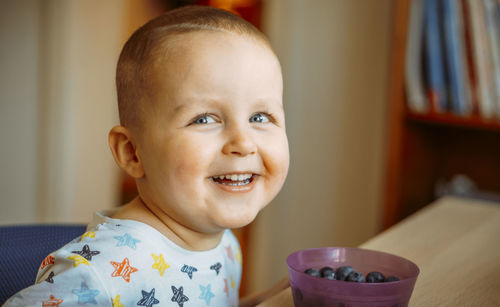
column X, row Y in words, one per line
column 360, row 161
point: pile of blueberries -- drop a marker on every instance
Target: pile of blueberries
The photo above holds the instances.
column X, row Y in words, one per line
column 347, row 273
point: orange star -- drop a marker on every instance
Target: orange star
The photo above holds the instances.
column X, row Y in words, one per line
column 230, row 253
column 48, row 260
column 226, row 288
column 52, row 302
column 123, row 269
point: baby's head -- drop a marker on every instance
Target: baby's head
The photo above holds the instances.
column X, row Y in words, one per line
column 202, row 121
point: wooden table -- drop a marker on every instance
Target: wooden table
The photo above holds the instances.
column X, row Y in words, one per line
column 456, row 244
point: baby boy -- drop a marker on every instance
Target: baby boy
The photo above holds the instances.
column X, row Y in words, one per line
column 202, row 131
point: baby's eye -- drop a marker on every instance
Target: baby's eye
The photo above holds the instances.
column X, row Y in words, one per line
column 204, row 120
column 260, row 118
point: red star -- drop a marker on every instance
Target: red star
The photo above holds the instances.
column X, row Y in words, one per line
column 48, row 260
column 52, row 302
column 230, row 253
column 226, row 288
column 123, row 269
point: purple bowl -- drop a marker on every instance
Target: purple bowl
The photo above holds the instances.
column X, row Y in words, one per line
column 315, row 291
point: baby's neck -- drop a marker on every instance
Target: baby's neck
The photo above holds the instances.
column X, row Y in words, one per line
column 183, row 236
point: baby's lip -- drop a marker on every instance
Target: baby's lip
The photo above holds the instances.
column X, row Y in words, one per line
column 235, row 182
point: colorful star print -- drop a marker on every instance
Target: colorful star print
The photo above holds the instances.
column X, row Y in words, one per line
column 88, row 234
column 160, row 264
column 226, row 287
column 77, row 260
column 48, row 260
column 206, row 294
column 233, row 284
column 189, row 270
column 123, row 269
column 178, row 296
column 148, row 298
column 229, row 253
column 216, row 267
column 52, row 302
column 50, row 278
column 85, row 295
column 116, row 301
column 239, row 257
column 86, row 252
column 126, row 240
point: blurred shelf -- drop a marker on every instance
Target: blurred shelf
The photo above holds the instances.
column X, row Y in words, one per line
column 473, row 121
column 424, row 150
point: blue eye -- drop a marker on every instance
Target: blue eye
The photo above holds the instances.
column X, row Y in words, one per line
column 204, row 120
column 259, row 118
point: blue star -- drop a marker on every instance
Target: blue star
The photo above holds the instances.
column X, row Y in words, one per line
column 206, row 294
column 86, row 252
column 216, row 267
column 50, row 279
column 189, row 270
column 148, row 298
column 85, row 295
column 126, row 240
column 178, row 296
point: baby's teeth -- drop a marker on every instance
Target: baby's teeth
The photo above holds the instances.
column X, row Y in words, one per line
column 235, row 177
column 244, row 177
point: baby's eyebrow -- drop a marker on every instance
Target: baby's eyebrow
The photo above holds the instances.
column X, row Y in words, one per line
column 194, row 103
column 259, row 104
column 265, row 103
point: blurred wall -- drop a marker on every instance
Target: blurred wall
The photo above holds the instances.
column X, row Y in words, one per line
column 58, row 104
column 82, row 40
column 19, row 108
column 334, row 55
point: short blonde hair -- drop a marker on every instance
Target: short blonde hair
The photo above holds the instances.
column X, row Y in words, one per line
column 151, row 41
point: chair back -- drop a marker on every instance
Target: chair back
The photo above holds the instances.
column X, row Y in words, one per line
column 23, row 249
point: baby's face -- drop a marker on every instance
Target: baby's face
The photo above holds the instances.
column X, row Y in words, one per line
column 214, row 147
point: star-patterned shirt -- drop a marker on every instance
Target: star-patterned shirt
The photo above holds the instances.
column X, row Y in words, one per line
column 122, row 263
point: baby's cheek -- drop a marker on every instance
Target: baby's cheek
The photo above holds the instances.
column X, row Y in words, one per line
column 277, row 157
column 186, row 169
column 278, row 169
column 190, row 161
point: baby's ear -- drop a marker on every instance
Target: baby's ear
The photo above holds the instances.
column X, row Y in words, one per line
column 124, row 151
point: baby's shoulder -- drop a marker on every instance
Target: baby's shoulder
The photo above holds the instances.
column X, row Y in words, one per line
column 98, row 246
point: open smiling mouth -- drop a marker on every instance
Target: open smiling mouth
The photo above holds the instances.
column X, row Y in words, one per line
column 234, row 180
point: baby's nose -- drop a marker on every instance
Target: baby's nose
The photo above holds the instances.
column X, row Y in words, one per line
column 239, row 143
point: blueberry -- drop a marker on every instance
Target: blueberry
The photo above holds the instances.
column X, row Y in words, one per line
column 391, row 278
column 327, row 272
column 343, row 271
column 355, row 277
column 312, row 272
column 375, row 277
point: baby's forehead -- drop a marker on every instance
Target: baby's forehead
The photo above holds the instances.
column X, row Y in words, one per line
column 207, row 70
column 178, row 44
column 174, row 56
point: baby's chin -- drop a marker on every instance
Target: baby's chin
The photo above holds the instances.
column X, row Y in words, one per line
column 235, row 219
